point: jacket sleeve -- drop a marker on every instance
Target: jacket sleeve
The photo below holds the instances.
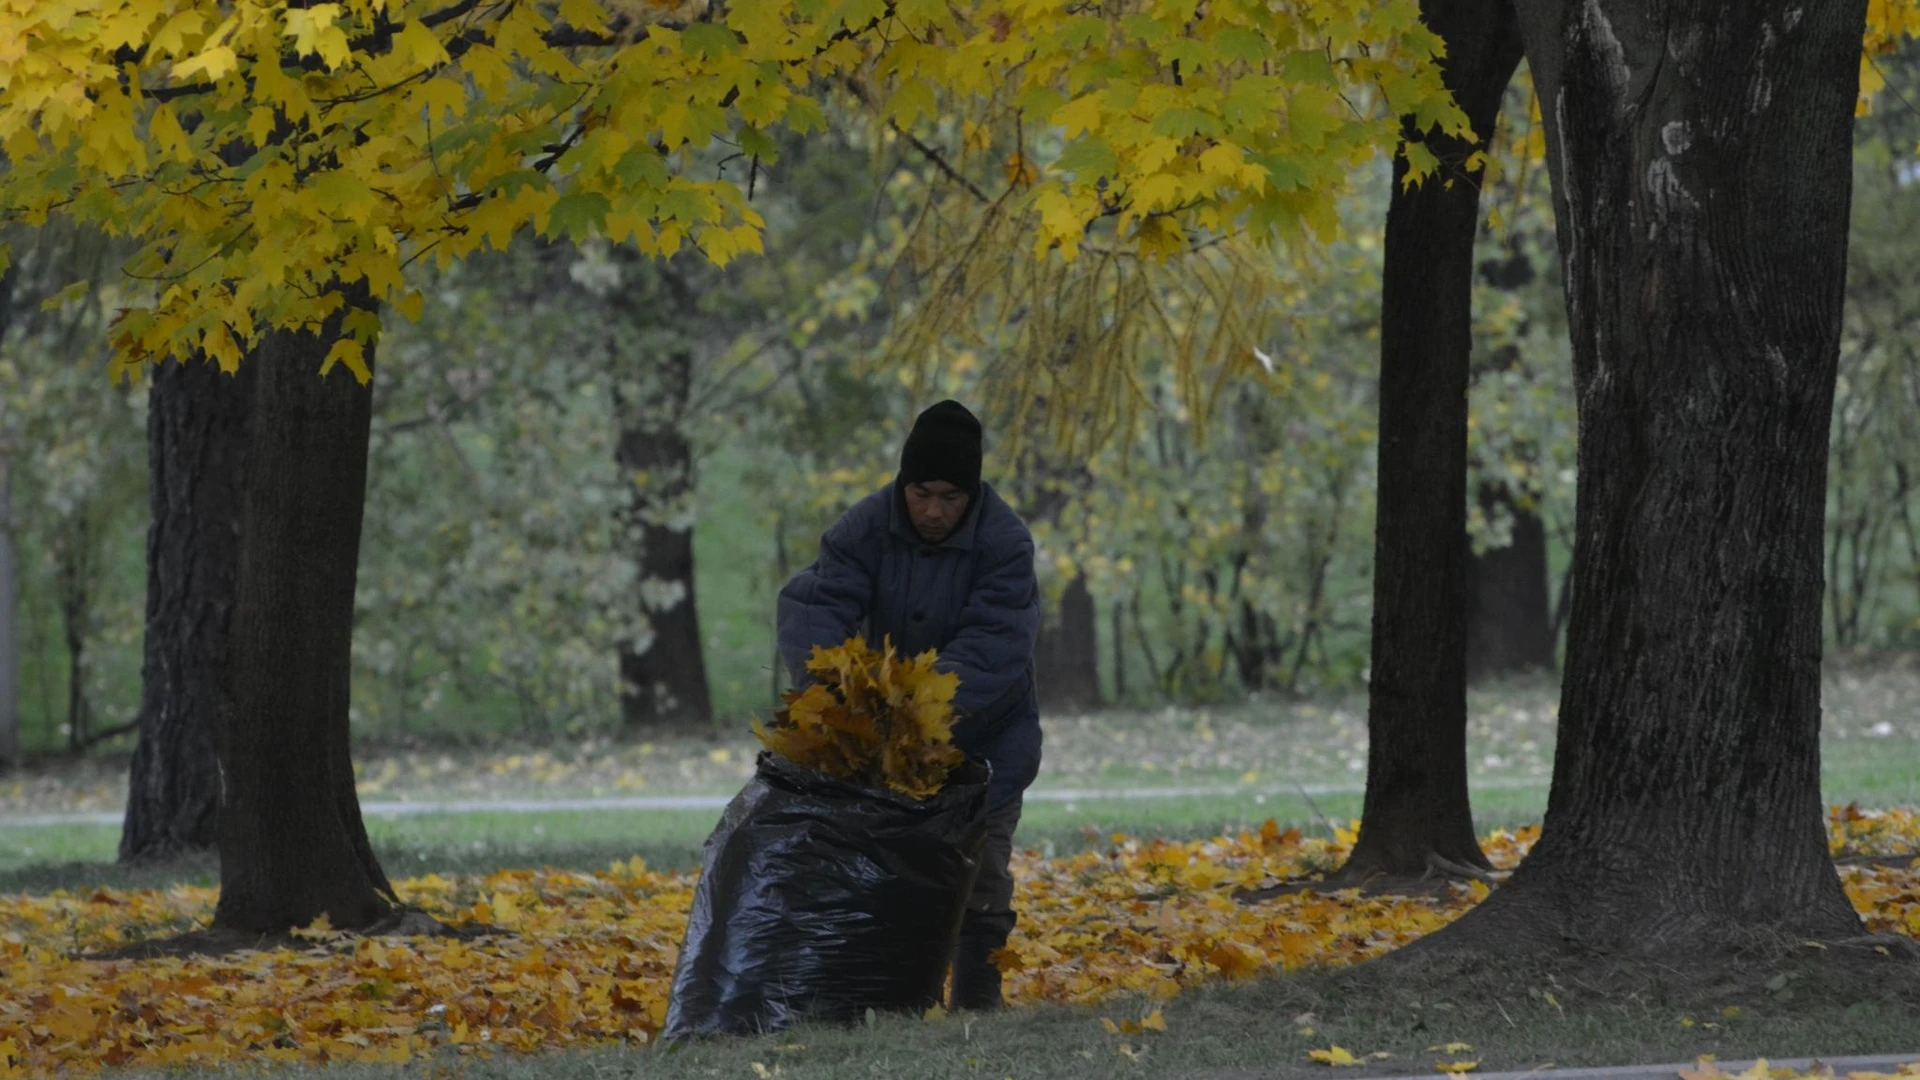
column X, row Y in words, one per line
column 992, row 650
column 827, row 603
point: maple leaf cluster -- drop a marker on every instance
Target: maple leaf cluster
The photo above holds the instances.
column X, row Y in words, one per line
column 870, row 718
column 587, row 958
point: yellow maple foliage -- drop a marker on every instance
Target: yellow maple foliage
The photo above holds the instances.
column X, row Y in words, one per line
column 870, row 718
column 590, row 955
column 265, row 155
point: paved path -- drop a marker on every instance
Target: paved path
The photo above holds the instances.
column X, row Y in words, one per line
column 403, row 808
column 1841, row 1066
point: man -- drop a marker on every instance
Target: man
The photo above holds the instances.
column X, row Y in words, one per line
column 937, row 560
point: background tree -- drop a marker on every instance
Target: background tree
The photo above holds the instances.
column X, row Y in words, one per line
column 9, row 574
column 1417, row 815
column 1520, row 433
column 666, row 682
column 1873, row 533
column 74, row 479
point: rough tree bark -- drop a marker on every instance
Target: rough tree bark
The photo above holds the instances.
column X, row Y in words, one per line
column 1066, row 658
column 1510, row 616
column 196, row 441
column 665, row 683
column 292, row 844
column 1416, row 813
column 1702, row 167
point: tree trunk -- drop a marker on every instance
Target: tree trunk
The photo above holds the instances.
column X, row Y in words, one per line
column 1510, row 626
column 664, row 683
column 1703, row 176
column 196, row 441
column 9, row 607
column 73, row 581
column 292, row 845
column 9, row 627
column 1066, row 659
column 1258, row 649
column 1416, row 805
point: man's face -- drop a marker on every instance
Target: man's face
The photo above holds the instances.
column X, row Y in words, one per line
column 935, row 508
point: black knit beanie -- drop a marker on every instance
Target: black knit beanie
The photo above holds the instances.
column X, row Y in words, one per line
column 943, row 445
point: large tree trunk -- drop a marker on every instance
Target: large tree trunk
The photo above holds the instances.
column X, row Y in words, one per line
column 196, row 440
column 1416, row 812
column 1702, row 184
column 664, row 683
column 292, row 845
column 1510, row 621
column 1066, row 658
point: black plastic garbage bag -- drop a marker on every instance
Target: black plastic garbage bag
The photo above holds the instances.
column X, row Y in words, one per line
column 821, row 899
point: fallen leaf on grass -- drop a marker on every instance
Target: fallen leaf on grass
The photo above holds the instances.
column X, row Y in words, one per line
column 591, row 955
column 1334, row 1055
column 1456, row 1066
column 1153, row 1021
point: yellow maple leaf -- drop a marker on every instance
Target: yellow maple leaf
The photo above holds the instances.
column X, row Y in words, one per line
column 1333, row 1055
column 871, row 718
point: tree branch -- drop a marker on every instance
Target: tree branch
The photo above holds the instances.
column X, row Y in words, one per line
column 934, row 156
column 447, row 14
column 95, row 738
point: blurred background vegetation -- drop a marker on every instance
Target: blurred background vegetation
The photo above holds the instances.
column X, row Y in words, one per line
column 592, row 472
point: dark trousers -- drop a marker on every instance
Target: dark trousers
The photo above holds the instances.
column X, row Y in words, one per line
column 991, row 903
column 989, row 917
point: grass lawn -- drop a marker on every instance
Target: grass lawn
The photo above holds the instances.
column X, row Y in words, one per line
column 1504, row 1017
column 1302, row 763
column 1294, row 762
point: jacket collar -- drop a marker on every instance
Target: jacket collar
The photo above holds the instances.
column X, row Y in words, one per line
column 960, row 540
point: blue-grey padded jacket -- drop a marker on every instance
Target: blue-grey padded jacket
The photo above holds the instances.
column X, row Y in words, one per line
column 972, row 597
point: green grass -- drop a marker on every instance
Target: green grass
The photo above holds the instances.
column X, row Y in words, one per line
column 80, row 856
column 1262, row 757
column 1261, row 753
column 1513, row 1016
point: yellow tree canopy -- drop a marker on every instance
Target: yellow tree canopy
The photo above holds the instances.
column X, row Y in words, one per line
column 262, row 155
column 1890, row 24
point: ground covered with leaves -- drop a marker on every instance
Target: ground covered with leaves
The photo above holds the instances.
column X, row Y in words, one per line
column 585, row 958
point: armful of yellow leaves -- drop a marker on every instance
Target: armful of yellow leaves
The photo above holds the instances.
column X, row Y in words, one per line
column 872, row 718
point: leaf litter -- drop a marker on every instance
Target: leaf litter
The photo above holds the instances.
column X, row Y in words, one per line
column 586, row 958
